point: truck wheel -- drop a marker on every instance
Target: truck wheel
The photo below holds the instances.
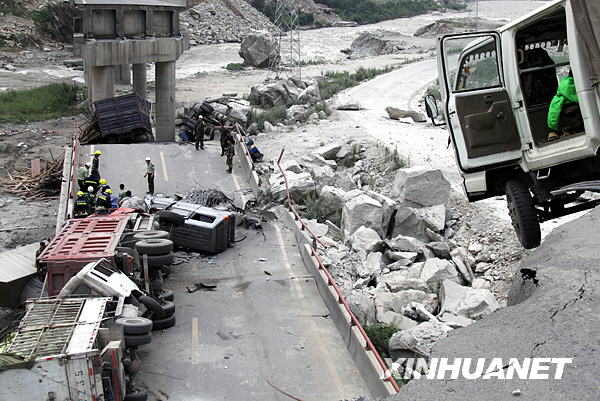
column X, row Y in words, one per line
column 153, row 305
column 170, row 217
column 151, row 234
column 137, row 396
column 161, row 324
column 165, row 271
column 154, row 246
column 135, row 325
column 166, row 295
column 160, row 260
column 169, row 308
column 523, row 213
column 156, row 285
column 135, row 340
column 207, row 107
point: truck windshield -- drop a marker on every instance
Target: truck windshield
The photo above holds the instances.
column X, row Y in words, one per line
column 471, row 63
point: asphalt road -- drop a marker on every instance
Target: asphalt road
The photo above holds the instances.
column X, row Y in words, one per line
column 256, row 326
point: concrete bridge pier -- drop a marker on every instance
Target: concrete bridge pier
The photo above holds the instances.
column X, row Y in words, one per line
column 165, row 101
column 103, row 83
column 139, row 80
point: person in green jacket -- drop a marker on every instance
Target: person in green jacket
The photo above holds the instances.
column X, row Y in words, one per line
column 565, row 95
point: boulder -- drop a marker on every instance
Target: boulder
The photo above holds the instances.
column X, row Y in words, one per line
column 420, row 338
column 323, row 175
column 300, row 185
column 389, row 206
column 383, row 303
column 238, row 111
column 343, row 101
column 329, row 152
column 313, row 160
column 279, row 93
column 298, row 112
column 455, row 321
column 256, row 49
column 397, row 320
column 401, row 280
column 361, row 283
column 399, row 114
column 408, row 222
column 421, row 186
column 460, row 257
column 362, row 306
column 404, row 298
column 409, row 244
column 268, row 127
column 433, row 216
column 396, row 256
column 374, row 263
column 465, row 301
column 290, row 165
column 364, row 238
column 361, row 210
column 440, row 249
column 320, row 230
column 310, row 95
column 436, row 271
column 331, row 202
column 344, row 180
column 418, row 312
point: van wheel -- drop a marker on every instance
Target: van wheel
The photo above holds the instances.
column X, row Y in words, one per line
column 523, row 213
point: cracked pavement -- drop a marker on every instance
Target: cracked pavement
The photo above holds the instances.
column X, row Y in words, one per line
column 557, row 317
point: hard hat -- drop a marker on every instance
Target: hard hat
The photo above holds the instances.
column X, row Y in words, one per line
column 97, row 152
column 102, row 181
column 90, row 189
column 80, row 193
column 108, row 191
column 147, row 159
column 88, row 164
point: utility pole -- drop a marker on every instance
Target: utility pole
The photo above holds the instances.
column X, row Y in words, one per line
column 285, row 59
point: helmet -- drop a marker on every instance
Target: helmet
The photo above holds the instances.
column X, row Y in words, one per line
column 97, row 152
column 102, row 181
column 108, row 191
column 148, row 159
column 90, row 189
column 88, row 164
column 80, row 193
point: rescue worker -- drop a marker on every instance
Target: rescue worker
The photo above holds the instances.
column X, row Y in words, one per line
column 229, row 151
column 199, row 133
column 82, row 173
column 39, row 251
column 92, row 181
column 81, row 206
column 96, row 164
column 564, row 116
column 103, row 185
column 224, row 132
column 150, row 170
column 103, row 201
column 91, row 196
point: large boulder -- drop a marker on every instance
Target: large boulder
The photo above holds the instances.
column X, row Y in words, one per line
column 420, row 338
column 297, row 112
column 403, row 300
column 300, row 185
column 331, row 202
column 279, row 93
column 362, row 306
column 398, row 114
column 433, row 216
column 389, row 206
column 465, row 301
column 365, row 239
column 256, row 49
column 310, row 95
column 238, row 111
column 409, row 223
column 330, row 151
column 436, row 271
column 361, row 210
column 421, row 186
column 405, row 243
column 343, row 101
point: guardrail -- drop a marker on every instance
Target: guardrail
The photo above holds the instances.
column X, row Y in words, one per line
column 369, row 347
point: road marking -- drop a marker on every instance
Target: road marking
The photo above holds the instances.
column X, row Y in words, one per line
column 286, row 263
column 195, row 341
column 164, row 166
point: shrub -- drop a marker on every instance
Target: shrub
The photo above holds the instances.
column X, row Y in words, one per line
column 312, row 208
column 235, row 66
column 273, row 115
column 335, row 82
column 368, row 12
column 380, row 334
column 38, row 104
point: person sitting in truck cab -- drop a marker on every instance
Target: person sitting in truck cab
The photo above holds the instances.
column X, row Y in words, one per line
column 81, row 206
column 564, row 116
column 103, row 201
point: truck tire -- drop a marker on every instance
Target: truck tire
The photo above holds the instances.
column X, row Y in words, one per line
column 166, row 295
column 153, row 305
column 154, row 246
column 156, row 285
column 135, row 325
column 523, row 213
column 138, row 395
column 207, row 107
column 169, row 308
column 162, row 324
column 135, row 340
column 160, row 260
column 151, row 234
column 170, row 217
column 165, row 271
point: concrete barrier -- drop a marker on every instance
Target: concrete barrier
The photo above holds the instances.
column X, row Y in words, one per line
column 243, row 155
column 65, row 189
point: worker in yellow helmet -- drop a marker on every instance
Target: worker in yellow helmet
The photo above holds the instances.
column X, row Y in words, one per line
column 81, row 205
column 96, row 164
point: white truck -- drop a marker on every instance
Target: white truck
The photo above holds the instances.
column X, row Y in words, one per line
column 496, row 91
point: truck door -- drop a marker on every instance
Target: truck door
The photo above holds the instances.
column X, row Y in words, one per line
column 476, row 103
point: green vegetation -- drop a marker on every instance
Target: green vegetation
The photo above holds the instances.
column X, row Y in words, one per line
column 11, row 8
column 274, row 115
column 380, row 334
column 43, row 103
column 235, row 66
column 334, row 82
column 312, row 208
column 368, row 12
column 268, row 9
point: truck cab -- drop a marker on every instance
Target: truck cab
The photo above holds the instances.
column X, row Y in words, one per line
column 497, row 88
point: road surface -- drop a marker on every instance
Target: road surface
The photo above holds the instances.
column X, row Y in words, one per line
column 265, row 320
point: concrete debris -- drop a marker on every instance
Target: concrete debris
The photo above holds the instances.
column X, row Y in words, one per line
column 361, row 210
column 418, row 340
column 256, row 49
column 398, row 114
column 421, row 186
column 365, row 239
column 465, row 301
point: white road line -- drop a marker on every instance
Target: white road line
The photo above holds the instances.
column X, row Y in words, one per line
column 164, row 166
column 195, row 342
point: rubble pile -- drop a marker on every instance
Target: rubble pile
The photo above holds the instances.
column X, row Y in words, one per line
column 380, row 42
column 221, row 21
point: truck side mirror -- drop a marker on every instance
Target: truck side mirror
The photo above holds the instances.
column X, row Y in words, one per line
column 432, row 109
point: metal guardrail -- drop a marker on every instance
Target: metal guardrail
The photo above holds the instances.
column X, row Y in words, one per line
column 341, row 299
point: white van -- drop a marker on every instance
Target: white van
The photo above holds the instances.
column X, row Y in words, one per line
column 496, row 90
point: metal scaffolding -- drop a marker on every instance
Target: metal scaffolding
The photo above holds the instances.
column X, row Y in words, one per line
column 285, row 59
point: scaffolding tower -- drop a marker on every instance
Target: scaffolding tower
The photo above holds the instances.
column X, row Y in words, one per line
column 285, row 59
